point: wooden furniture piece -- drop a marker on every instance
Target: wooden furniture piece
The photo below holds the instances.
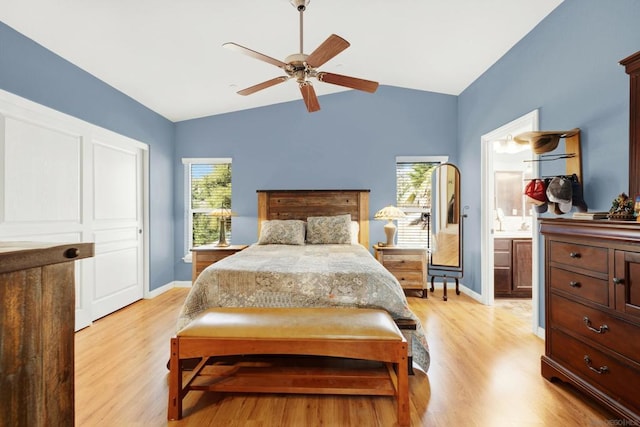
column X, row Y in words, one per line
column 300, row 204
column 632, row 67
column 592, row 310
column 204, row 256
column 408, row 265
column 512, row 267
column 354, row 333
column 37, row 320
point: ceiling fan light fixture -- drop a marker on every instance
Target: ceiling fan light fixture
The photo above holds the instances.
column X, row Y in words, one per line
column 301, row 66
column 301, row 5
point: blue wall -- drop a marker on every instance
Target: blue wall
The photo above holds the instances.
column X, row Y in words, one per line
column 567, row 67
column 351, row 143
column 30, row 71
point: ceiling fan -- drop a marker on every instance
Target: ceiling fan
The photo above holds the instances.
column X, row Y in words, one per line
column 302, row 66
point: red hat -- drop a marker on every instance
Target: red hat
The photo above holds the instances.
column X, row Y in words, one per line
column 536, row 192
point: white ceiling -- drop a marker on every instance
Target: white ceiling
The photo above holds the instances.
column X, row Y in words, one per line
column 168, row 54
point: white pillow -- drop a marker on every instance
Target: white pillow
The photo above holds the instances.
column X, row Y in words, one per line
column 355, row 231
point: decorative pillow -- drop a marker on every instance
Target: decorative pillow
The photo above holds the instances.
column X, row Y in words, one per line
column 329, row 229
column 282, row 232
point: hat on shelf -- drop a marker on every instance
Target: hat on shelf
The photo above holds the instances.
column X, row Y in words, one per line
column 577, row 197
column 560, row 191
column 535, row 191
column 544, row 141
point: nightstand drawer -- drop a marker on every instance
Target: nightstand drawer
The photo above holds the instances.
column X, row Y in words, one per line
column 414, row 279
column 204, row 256
column 402, row 262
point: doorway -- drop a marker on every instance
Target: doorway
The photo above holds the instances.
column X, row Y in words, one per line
column 504, row 215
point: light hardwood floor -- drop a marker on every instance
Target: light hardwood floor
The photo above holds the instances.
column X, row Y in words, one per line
column 485, row 371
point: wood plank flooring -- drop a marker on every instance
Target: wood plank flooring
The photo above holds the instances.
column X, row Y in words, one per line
column 485, row 371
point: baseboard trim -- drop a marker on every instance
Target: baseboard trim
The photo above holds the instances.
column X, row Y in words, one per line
column 164, row 288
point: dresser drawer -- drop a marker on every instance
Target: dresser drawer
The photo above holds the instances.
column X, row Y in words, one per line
column 619, row 381
column 582, row 256
column 402, row 262
column 579, row 285
column 616, row 334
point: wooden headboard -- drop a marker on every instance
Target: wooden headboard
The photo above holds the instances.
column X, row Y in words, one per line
column 300, row 204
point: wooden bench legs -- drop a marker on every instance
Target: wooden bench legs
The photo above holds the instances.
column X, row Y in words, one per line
column 385, row 363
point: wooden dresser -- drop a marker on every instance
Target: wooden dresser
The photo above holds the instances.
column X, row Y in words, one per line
column 592, row 314
column 37, row 312
column 408, row 265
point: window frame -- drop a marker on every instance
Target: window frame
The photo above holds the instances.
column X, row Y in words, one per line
column 412, row 159
column 188, row 212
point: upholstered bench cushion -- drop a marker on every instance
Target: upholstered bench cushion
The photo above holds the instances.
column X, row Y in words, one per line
column 294, row 323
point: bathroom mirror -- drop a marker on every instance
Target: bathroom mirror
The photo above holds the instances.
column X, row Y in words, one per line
column 446, row 220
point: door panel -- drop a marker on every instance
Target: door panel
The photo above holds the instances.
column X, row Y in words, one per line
column 117, row 220
column 627, row 282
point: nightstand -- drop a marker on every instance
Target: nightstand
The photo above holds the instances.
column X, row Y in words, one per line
column 204, row 256
column 408, row 265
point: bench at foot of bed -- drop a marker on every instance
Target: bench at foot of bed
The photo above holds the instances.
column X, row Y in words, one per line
column 342, row 351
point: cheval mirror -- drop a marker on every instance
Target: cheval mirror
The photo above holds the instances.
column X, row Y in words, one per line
column 445, row 259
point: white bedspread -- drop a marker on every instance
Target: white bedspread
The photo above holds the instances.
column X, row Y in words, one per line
column 302, row 276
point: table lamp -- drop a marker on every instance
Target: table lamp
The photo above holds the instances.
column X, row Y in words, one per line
column 389, row 213
column 222, row 214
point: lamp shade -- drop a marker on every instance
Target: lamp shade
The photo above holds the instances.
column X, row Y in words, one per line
column 389, row 212
column 222, row 213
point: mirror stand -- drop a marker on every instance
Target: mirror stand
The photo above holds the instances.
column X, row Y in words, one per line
column 445, row 257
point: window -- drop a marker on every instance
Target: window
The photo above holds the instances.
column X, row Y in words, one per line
column 208, row 187
column 413, row 183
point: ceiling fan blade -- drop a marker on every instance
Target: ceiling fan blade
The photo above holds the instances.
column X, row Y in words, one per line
column 309, row 96
column 352, row 82
column 327, row 50
column 252, row 53
column 263, row 85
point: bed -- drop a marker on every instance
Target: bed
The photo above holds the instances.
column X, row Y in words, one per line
column 281, row 270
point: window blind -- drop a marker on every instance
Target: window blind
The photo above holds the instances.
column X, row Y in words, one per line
column 413, row 183
column 209, row 189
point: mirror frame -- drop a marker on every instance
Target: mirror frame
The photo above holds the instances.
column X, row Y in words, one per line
column 632, row 68
column 434, row 268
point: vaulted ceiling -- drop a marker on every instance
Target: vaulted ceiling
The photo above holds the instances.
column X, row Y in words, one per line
column 168, row 54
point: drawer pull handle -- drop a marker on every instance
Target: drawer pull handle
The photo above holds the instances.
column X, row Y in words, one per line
column 574, row 284
column 601, row 330
column 574, row 255
column 617, row 281
column 72, row 253
column 601, row 370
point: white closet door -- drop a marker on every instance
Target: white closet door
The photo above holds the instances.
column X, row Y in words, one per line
column 66, row 180
column 117, row 227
